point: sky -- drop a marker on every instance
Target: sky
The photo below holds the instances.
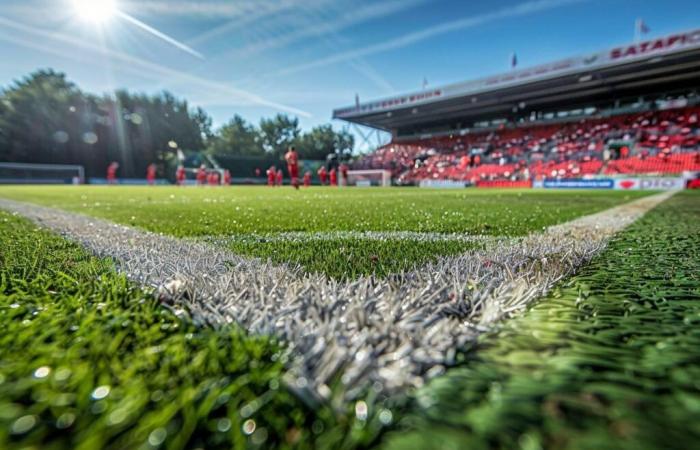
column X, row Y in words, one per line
column 306, row 57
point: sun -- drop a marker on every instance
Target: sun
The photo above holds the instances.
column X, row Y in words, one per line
column 95, row 11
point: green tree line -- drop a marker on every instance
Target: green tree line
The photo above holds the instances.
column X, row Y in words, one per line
column 45, row 118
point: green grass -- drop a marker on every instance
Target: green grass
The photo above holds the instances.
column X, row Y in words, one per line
column 89, row 361
column 610, row 360
column 239, row 211
column 350, row 258
column 243, row 210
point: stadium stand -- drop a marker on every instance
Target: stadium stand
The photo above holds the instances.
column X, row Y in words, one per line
column 630, row 109
column 652, row 142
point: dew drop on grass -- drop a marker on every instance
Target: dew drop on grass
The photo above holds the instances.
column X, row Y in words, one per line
column 157, row 437
column 42, row 372
column 260, row 436
column 98, row 408
column 100, row 392
column 157, row 396
column 385, row 417
column 223, row 425
column 23, row 424
column 117, row 416
column 247, row 411
column 361, row 410
column 65, row 420
column 249, row 427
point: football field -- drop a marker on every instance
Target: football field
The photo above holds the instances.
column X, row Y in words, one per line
column 349, row 318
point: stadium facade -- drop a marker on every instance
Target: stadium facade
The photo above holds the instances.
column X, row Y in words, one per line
column 661, row 69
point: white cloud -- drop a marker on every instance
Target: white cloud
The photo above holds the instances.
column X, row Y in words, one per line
column 197, row 9
column 260, row 11
column 131, row 64
column 522, row 9
column 360, row 14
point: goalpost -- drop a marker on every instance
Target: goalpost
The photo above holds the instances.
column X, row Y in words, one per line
column 21, row 173
column 367, row 178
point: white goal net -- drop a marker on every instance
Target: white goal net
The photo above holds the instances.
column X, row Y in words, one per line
column 367, row 178
column 20, row 173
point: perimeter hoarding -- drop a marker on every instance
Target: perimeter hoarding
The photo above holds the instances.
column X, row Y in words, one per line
column 443, row 184
column 650, row 184
column 625, row 184
column 579, row 183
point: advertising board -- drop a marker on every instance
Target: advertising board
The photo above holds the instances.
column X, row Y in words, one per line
column 650, row 184
column 579, row 183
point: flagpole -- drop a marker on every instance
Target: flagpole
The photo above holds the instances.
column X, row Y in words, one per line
column 637, row 30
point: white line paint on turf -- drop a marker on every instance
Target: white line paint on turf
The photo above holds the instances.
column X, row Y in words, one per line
column 302, row 236
column 389, row 333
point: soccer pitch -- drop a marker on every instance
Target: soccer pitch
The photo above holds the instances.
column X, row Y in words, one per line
column 531, row 318
column 324, row 227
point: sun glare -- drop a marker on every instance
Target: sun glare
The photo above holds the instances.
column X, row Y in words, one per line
column 95, row 11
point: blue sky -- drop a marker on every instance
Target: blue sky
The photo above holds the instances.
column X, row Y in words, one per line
column 306, row 57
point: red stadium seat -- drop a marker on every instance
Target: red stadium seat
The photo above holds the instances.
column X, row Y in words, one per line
column 659, row 142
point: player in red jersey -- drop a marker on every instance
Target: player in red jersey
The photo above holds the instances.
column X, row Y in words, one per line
column 280, row 177
column 271, row 175
column 227, row 178
column 201, row 175
column 151, row 174
column 307, row 179
column 344, row 169
column 334, row 177
column 292, row 159
column 323, row 175
column 180, row 175
column 112, row 173
column 213, row 178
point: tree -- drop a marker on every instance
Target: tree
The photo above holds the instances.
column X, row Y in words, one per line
column 317, row 143
column 41, row 116
column 237, row 138
column 322, row 140
column 278, row 134
column 4, row 142
column 204, row 123
column 344, row 143
column 146, row 128
column 44, row 118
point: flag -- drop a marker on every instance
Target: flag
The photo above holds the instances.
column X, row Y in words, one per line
column 425, row 82
column 642, row 27
column 514, row 61
column 357, row 101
